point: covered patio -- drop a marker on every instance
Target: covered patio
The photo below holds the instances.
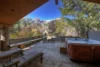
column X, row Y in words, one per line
column 12, row 11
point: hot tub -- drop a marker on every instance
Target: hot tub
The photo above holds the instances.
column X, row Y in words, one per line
column 83, row 49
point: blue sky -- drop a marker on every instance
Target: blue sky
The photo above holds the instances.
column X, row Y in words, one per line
column 48, row 11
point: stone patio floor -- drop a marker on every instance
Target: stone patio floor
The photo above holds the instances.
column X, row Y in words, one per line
column 53, row 57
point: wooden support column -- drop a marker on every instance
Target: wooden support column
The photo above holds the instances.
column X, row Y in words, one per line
column 4, row 38
column 0, row 36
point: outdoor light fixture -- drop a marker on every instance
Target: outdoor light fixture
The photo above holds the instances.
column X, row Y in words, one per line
column 56, row 1
column 2, row 38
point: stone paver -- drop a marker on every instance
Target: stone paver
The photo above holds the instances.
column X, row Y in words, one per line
column 53, row 57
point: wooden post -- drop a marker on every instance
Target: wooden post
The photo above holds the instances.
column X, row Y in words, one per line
column 0, row 36
column 4, row 38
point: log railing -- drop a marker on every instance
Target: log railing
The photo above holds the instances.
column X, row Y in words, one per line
column 14, row 41
column 24, row 42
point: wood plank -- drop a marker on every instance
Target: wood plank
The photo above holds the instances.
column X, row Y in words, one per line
column 13, row 10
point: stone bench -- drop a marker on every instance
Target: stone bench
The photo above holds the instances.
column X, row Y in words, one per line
column 10, row 54
column 11, row 64
column 31, row 59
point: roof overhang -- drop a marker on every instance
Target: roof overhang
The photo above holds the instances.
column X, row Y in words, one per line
column 94, row 1
column 13, row 10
